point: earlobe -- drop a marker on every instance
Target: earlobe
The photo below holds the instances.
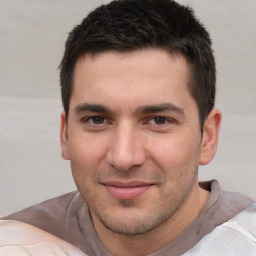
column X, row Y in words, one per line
column 210, row 136
column 64, row 136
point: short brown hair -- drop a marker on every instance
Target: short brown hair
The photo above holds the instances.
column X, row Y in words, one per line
column 129, row 25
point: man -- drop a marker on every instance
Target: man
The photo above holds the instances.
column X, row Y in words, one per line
column 138, row 90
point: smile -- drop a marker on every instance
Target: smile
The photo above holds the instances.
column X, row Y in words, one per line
column 126, row 191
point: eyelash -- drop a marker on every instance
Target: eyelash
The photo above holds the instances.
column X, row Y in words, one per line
column 91, row 120
column 156, row 119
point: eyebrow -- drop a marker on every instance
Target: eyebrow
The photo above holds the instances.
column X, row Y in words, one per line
column 160, row 108
column 97, row 108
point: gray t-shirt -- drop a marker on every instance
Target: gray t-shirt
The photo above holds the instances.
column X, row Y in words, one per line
column 68, row 218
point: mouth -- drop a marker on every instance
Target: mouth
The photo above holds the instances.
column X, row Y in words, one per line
column 126, row 190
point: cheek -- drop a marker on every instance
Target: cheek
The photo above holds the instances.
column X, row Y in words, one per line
column 87, row 150
column 175, row 155
column 87, row 157
column 84, row 161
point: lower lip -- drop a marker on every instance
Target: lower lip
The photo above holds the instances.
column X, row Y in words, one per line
column 129, row 193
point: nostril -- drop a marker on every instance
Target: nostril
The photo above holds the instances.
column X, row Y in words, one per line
column 125, row 160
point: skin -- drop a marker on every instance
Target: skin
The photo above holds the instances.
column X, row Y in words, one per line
column 134, row 143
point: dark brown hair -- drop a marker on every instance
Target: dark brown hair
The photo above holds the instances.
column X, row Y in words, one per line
column 129, row 25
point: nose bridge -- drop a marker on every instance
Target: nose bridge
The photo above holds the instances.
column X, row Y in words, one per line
column 126, row 149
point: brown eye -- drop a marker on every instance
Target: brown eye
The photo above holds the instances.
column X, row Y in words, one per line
column 159, row 120
column 98, row 119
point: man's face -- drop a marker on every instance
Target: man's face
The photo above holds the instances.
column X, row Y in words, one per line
column 133, row 138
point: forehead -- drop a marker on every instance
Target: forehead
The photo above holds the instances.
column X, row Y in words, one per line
column 151, row 58
column 140, row 76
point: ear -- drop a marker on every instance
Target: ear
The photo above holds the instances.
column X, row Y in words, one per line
column 210, row 137
column 64, row 136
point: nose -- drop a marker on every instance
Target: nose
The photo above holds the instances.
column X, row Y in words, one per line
column 126, row 148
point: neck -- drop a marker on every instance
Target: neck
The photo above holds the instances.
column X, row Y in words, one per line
column 159, row 237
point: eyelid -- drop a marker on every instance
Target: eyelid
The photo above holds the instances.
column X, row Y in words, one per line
column 86, row 119
column 168, row 120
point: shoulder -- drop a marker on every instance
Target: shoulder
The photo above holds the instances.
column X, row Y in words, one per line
column 17, row 238
column 244, row 223
column 235, row 237
column 49, row 215
column 235, row 200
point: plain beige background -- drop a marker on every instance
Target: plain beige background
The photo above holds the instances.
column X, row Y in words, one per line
column 32, row 37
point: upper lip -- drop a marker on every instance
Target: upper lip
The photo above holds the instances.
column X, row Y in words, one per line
column 129, row 184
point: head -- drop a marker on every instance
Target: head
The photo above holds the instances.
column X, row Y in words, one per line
column 138, row 86
column 131, row 25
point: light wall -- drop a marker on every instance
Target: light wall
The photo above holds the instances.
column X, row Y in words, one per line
column 32, row 36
